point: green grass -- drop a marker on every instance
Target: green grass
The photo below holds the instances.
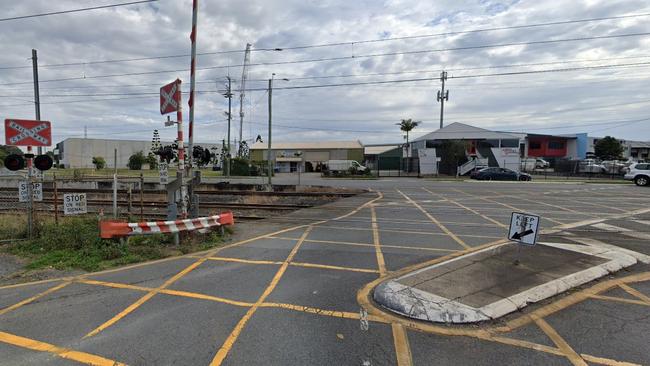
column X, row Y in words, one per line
column 75, row 244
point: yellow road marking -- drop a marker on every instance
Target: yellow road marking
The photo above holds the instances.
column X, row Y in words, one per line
column 238, row 260
column 370, row 245
column 381, row 264
column 403, row 231
column 503, row 204
column 635, row 293
column 144, row 298
column 82, row 357
column 470, row 210
column 33, row 298
column 34, row 283
column 560, row 343
column 607, row 361
column 402, row 347
column 619, row 299
column 435, row 221
column 338, row 268
column 232, row 337
column 312, row 310
column 547, row 204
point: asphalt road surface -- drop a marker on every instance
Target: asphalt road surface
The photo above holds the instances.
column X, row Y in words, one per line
column 290, row 296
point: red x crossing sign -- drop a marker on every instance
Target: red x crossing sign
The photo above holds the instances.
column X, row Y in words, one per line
column 170, row 97
column 21, row 132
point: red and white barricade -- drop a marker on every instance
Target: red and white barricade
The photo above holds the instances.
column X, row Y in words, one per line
column 113, row 229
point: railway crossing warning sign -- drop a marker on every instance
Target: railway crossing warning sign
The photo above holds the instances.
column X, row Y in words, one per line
column 74, row 204
column 524, row 228
column 164, row 172
column 23, row 132
column 170, row 97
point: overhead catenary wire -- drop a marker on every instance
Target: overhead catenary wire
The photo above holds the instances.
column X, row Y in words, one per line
column 333, row 44
column 341, row 58
column 75, row 10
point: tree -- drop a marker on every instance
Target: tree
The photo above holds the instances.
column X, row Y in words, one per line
column 99, row 162
column 136, row 160
column 407, row 125
column 152, row 160
column 608, row 148
column 452, row 154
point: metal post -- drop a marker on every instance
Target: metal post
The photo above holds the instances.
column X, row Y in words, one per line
column 190, row 145
column 30, row 192
column 442, row 96
column 115, row 161
column 229, row 96
column 141, row 197
column 37, row 97
column 56, row 200
column 115, row 196
column 269, row 157
column 129, row 196
column 181, row 157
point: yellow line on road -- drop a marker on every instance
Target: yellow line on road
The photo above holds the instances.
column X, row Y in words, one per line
column 402, row 347
column 81, row 357
column 469, row 209
column 503, row 204
column 619, row 299
column 381, row 264
column 317, row 311
column 238, row 260
column 560, row 343
column 635, row 293
column 403, row 231
column 33, row 298
column 338, row 268
column 370, row 245
column 144, row 298
column 435, row 221
column 607, row 361
column 232, row 338
column 547, row 204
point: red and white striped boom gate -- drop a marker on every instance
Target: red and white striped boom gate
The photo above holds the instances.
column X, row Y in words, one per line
column 115, row 229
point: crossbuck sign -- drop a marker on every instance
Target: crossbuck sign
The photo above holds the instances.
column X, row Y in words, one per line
column 170, row 97
column 20, row 132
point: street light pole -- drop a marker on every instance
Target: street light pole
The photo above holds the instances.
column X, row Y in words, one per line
column 270, row 161
column 229, row 96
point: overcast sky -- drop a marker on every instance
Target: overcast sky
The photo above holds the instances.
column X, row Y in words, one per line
column 601, row 101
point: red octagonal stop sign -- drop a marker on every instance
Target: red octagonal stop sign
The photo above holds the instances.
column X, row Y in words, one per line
column 170, row 97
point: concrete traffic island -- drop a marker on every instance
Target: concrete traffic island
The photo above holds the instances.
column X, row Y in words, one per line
column 487, row 284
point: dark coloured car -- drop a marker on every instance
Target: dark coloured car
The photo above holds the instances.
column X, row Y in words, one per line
column 499, row 174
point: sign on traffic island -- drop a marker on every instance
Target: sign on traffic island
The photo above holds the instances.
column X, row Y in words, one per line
column 524, row 228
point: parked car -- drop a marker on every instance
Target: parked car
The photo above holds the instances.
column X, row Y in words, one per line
column 616, row 166
column 639, row 173
column 590, row 166
column 499, row 174
column 344, row 166
column 542, row 164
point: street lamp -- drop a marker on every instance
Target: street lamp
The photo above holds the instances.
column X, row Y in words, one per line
column 270, row 161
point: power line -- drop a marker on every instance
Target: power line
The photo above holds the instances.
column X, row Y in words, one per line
column 341, row 58
column 75, row 10
column 347, row 43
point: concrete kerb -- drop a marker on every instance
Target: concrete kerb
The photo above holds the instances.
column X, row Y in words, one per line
column 417, row 304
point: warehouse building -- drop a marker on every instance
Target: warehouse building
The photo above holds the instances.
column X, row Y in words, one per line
column 306, row 156
column 79, row 152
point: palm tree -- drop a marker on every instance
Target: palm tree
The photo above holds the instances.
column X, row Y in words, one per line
column 407, row 125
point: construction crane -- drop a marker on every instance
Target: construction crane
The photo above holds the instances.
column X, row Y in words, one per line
column 242, row 89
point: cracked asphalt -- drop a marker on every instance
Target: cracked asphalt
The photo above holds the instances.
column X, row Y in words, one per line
column 289, row 293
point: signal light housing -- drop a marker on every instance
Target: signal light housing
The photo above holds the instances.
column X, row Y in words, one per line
column 43, row 162
column 14, row 162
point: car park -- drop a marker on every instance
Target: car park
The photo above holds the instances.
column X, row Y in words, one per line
column 639, row 173
column 496, row 173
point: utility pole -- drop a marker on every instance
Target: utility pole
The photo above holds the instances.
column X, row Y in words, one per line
column 228, row 95
column 442, row 95
column 269, row 157
column 37, row 96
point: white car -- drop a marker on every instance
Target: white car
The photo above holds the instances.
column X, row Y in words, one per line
column 639, row 173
